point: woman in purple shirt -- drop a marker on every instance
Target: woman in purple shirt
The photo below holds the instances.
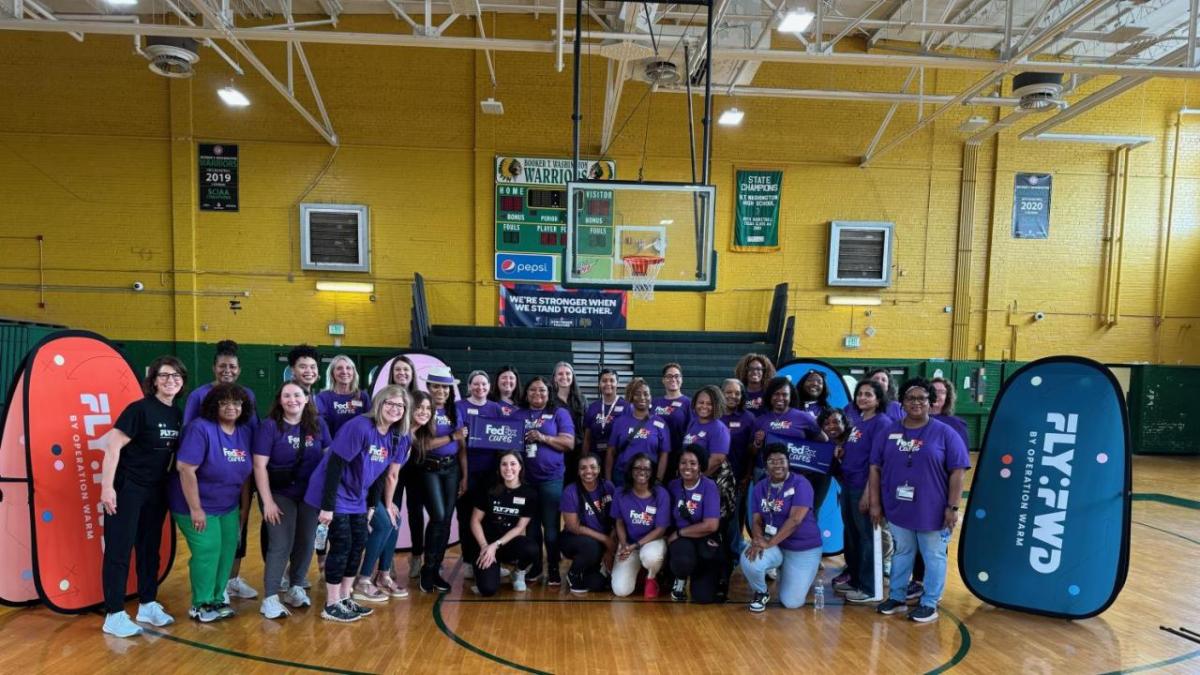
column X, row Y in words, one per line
column 917, row 467
column 754, row 371
column 481, row 463
column 506, row 390
column 443, row 475
column 639, row 431
column 641, row 512
column 781, row 418
column 783, row 534
column 676, row 410
column 708, row 432
column 226, row 369
column 884, row 378
column 344, row 487
column 598, row 418
column 213, row 467
column 943, row 411
column 549, row 433
column 587, row 535
column 288, row 445
column 342, row 399
column 694, row 545
column 739, row 422
column 812, row 394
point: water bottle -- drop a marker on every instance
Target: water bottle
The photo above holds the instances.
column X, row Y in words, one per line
column 322, row 536
column 819, row 591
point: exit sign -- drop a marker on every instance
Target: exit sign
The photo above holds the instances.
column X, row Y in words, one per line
column 851, row 342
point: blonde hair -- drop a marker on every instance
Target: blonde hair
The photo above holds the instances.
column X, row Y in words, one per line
column 384, row 394
column 329, row 381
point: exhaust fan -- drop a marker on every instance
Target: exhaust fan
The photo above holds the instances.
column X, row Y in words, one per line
column 170, row 56
column 1038, row 91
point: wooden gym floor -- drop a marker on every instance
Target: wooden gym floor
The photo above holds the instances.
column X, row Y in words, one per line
column 548, row 630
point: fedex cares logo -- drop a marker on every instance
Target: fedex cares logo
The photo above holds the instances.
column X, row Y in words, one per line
column 777, row 425
column 526, row 267
column 377, row 453
column 235, row 455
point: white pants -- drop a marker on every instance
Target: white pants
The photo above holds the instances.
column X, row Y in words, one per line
column 625, row 572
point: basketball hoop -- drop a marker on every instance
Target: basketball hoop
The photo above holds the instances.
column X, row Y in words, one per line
column 642, row 271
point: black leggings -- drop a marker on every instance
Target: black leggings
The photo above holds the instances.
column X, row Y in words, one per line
column 410, row 489
column 137, row 524
column 347, row 539
column 700, row 560
column 440, row 489
column 521, row 551
column 476, row 481
column 586, row 555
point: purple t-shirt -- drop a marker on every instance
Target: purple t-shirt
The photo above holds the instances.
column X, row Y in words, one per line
column 478, row 460
column 895, row 410
column 775, row 505
column 223, row 465
column 599, row 418
column 915, row 466
column 740, row 425
column 813, row 408
column 507, row 409
column 958, row 425
column 367, row 454
column 754, row 402
column 677, row 413
column 652, row 439
column 444, row 427
column 691, row 506
column 191, row 409
column 642, row 515
column 337, row 409
column 598, row 501
column 856, row 462
column 281, row 447
column 790, row 422
column 543, row 463
column 712, row 435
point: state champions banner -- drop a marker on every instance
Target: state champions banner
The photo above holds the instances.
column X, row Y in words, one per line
column 1046, row 529
column 756, row 210
column 551, row 306
column 67, row 394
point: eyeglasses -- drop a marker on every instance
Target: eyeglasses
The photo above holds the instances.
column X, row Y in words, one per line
column 231, row 404
column 777, row 459
column 673, row 377
column 170, row 376
column 393, row 406
column 641, row 469
column 755, row 369
column 916, row 399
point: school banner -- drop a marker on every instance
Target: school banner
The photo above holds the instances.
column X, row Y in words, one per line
column 1031, row 206
column 551, row 306
column 829, row 516
column 1046, row 529
column 756, row 210
column 70, row 390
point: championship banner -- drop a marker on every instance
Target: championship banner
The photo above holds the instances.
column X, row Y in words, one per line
column 756, row 210
column 829, row 516
column 496, row 433
column 1046, row 529
column 550, row 306
column 803, row 454
column 218, row 173
column 72, row 387
column 1031, row 206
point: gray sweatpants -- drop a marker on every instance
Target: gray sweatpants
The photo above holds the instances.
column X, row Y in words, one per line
column 291, row 541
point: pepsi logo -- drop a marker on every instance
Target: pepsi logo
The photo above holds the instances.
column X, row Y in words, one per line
column 508, row 266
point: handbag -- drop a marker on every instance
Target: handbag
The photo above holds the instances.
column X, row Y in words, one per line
column 279, row 478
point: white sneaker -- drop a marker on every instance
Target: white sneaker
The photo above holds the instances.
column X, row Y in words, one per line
column 238, row 588
column 118, row 624
column 469, row 573
column 519, row 581
column 273, row 609
column 414, row 567
column 773, row 573
column 475, row 589
column 296, row 597
column 154, row 614
column 504, row 573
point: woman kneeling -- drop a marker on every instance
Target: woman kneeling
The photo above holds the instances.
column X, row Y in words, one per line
column 498, row 524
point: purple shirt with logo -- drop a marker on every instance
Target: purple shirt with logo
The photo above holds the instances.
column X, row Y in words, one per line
column 599, row 418
column 281, row 448
column 599, row 501
column 191, row 409
column 443, row 427
column 337, row 409
column 856, row 462
column 740, row 425
column 478, row 460
column 546, row 463
column 642, row 515
column 367, row 454
column 677, row 413
column 919, row 460
column 652, row 438
column 754, row 402
column 223, row 465
column 775, row 505
column 692, row 505
column 791, row 422
column 712, row 435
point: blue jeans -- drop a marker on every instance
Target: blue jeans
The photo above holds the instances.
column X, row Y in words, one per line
column 859, row 540
column 381, row 542
column 933, row 545
column 545, row 527
column 799, row 568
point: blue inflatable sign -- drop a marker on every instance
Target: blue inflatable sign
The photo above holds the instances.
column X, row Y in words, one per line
column 1046, row 529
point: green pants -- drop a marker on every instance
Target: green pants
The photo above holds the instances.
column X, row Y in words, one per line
column 212, row 555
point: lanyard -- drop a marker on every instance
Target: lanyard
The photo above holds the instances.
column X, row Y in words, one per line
column 771, row 513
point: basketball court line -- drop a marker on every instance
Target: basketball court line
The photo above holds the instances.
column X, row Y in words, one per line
column 252, row 657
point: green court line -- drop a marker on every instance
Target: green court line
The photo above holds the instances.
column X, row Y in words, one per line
column 251, row 657
column 964, row 643
column 441, row 624
column 1171, row 500
column 1173, row 534
column 1156, row 665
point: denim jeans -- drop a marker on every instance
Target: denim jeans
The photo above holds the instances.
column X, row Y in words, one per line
column 798, row 569
column 381, row 541
column 545, row 527
column 859, row 539
column 933, row 545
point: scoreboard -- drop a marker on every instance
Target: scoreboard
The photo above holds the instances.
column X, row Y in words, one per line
column 531, row 216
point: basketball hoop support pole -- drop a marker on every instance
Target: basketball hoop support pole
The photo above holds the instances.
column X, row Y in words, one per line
column 575, row 116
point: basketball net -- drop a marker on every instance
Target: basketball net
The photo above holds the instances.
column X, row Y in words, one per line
column 642, row 271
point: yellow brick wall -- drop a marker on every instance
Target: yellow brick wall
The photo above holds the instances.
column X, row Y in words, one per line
column 87, row 154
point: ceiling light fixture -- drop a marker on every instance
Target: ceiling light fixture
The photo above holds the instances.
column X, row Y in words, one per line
column 796, row 21
column 232, row 97
column 731, row 117
column 122, row 3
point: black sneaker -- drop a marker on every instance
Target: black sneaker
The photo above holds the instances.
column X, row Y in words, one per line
column 759, row 603
column 678, row 590
column 923, row 614
column 890, row 606
column 225, row 610
column 204, row 613
column 914, row 591
column 553, row 577
column 339, row 613
column 439, row 584
column 356, row 608
column 576, row 584
column 426, row 583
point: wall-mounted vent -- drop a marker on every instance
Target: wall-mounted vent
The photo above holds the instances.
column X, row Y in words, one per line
column 860, row 253
column 334, row 237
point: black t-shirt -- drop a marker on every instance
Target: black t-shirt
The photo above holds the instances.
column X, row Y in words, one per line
column 153, row 429
column 502, row 511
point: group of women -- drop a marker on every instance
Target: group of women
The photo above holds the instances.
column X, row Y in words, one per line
column 654, row 487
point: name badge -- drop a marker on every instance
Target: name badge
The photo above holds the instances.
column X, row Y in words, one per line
column 735, row 425
column 619, row 409
column 652, row 509
column 770, row 530
column 547, row 417
column 895, row 437
column 472, row 411
column 676, row 404
column 905, row 493
column 519, row 501
column 789, row 492
column 356, row 403
column 696, row 496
